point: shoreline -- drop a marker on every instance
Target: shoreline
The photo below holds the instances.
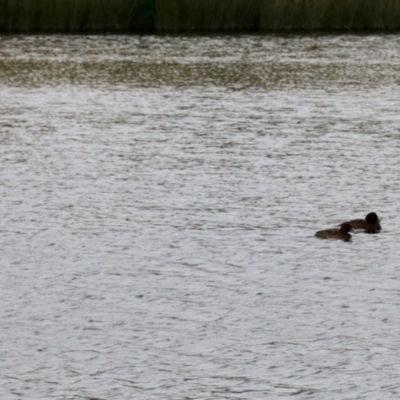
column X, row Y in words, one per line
column 198, row 16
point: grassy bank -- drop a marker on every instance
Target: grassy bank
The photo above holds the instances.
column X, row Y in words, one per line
column 76, row 15
column 197, row 15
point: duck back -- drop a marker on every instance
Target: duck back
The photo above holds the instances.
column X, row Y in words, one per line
column 370, row 224
column 341, row 233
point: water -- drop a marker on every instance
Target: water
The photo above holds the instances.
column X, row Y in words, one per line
column 159, row 200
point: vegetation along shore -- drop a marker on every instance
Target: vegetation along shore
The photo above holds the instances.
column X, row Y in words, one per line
column 80, row 16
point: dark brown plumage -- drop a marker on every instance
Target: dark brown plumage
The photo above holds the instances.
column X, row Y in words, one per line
column 370, row 224
column 335, row 233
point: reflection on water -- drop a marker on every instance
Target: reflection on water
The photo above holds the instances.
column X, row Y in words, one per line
column 234, row 62
column 159, row 197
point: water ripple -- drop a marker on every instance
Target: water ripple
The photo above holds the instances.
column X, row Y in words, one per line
column 160, row 197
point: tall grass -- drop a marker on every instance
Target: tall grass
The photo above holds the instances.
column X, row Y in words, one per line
column 76, row 15
column 197, row 15
column 209, row 15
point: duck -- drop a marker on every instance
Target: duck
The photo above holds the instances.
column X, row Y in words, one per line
column 335, row 233
column 370, row 224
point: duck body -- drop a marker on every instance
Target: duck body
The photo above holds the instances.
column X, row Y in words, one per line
column 370, row 224
column 336, row 233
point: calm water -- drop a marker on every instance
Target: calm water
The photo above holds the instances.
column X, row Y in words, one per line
column 159, row 197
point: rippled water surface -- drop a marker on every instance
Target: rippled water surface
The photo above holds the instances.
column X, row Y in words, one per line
column 159, row 200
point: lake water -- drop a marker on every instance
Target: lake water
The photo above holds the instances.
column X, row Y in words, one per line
column 159, row 200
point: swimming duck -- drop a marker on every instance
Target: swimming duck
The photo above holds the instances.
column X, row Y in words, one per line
column 370, row 224
column 335, row 233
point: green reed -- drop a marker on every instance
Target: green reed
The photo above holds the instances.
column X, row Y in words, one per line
column 197, row 15
column 76, row 15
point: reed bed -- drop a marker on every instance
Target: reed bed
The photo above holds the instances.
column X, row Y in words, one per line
column 197, row 15
column 76, row 15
